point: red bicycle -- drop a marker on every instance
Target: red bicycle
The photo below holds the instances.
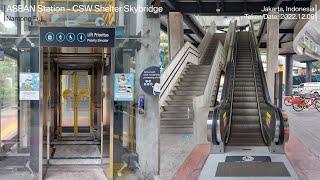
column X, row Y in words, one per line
column 288, row 100
column 301, row 103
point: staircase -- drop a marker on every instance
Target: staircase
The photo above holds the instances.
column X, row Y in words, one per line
column 245, row 126
column 175, row 116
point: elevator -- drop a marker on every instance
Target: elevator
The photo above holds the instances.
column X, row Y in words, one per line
column 76, row 128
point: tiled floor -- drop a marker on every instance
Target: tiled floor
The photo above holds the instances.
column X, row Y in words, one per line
column 75, row 172
column 76, row 151
column 303, row 148
column 174, row 149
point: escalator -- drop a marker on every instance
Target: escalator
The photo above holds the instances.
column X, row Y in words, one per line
column 245, row 126
column 248, row 132
column 246, row 116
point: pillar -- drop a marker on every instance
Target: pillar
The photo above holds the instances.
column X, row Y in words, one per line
column 175, row 33
column 148, row 124
column 309, row 71
column 272, row 51
column 289, row 75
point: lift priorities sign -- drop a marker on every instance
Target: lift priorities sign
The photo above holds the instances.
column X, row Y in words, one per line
column 77, row 37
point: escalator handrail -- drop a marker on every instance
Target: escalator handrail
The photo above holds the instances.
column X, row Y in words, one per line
column 233, row 61
column 216, row 133
column 266, row 95
column 256, row 90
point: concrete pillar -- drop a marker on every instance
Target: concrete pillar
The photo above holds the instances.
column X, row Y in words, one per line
column 289, row 75
column 272, row 51
column 148, row 124
column 309, row 71
column 175, row 33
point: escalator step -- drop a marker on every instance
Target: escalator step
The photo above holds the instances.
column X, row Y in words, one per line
column 249, row 119
column 245, row 112
column 244, row 105
column 244, row 99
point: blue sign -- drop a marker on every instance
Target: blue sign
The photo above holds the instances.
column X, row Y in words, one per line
column 150, row 80
column 1, row 55
column 123, row 87
column 77, row 37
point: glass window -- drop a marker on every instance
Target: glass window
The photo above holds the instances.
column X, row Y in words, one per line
column 19, row 95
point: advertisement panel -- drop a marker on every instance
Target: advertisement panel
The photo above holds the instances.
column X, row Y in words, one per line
column 123, row 87
column 29, row 86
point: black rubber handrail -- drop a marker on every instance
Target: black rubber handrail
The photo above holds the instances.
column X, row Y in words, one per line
column 266, row 96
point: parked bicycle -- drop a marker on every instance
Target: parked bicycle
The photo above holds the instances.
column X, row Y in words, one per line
column 301, row 103
column 288, row 100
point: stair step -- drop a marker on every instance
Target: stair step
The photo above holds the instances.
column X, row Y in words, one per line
column 192, row 83
column 186, row 75
column 174, row 114
column 187, row 92
column 190, row 88
column 175, row 119
column 178, row 97
column 245, row 119
column 179, row 102
column 177, row 107
column 193, row 79
column 176, row 130
column 177, row 125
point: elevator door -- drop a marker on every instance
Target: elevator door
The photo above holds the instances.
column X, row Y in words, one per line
column 75, row 103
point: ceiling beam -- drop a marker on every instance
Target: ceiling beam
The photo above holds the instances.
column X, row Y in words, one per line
column 193, row 26
column 187, row 32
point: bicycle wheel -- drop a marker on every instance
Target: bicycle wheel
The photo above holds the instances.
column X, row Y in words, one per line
column 288, row 102
column 317, row 105
column 297, row 107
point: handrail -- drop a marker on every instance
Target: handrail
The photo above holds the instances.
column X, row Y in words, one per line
column 218, row 134
column 187, row 54
column 256, row 90
column 265, row 88
column 217, row 65
column 233, row 61
column 206, row 40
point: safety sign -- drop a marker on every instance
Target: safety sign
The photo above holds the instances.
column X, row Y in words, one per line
column 77, row 37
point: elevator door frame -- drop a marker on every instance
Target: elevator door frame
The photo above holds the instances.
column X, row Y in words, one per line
column 64, row 63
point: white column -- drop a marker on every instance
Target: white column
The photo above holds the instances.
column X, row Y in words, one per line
column 272, row 51
column 148, row 124
column 175, row 33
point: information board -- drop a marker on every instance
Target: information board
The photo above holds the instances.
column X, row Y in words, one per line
column 77, row 37
column 150, row 80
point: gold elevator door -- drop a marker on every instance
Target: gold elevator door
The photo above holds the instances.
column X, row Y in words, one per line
column 75, row 104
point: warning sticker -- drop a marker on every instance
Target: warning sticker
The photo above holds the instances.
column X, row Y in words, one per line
column 268, row 119
column 224, row 118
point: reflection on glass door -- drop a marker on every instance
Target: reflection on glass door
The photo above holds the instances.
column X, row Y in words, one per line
column 75, row 99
